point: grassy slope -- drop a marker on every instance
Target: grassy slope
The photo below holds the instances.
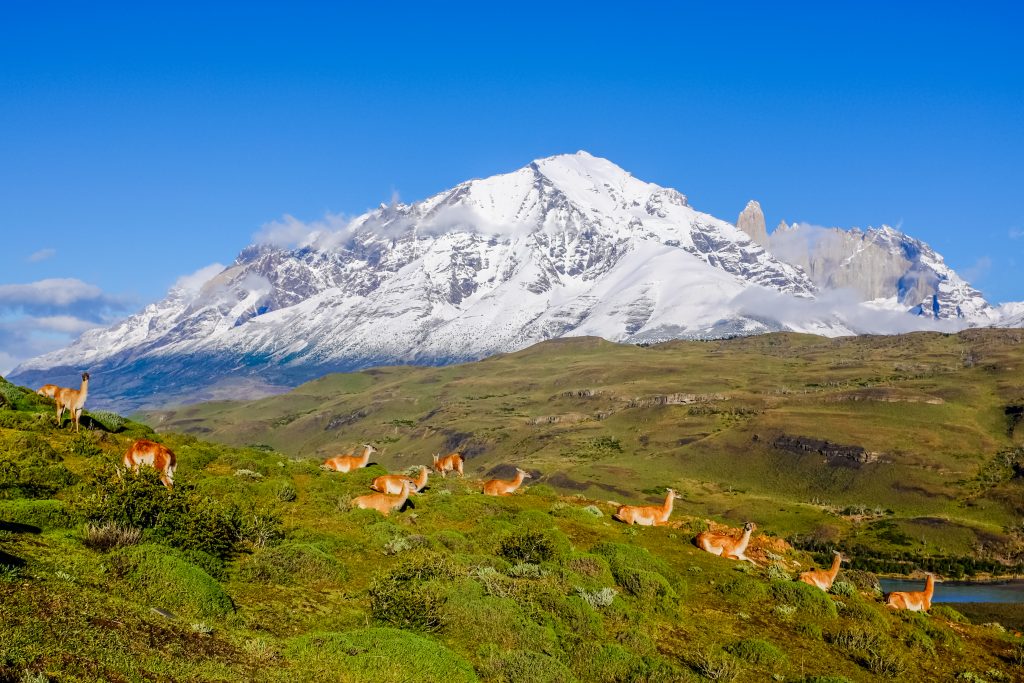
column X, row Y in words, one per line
column 332, row 600
column 932, row 406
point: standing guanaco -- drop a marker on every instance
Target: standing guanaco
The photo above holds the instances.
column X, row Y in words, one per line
column 392, row 483
column 647, row 515
column 382, row 502
column 505, row 487
column 72, row 400
column 915, row 601
column 726, row 545
column 449, row 463
column 159, row 457
column 823, row 578
column 347, row 463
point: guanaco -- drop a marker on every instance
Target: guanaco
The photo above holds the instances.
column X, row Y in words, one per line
column 72, row 400
column 392, row 483
column 382, row 502
column 915, row 601
column 450, row 463
column 823, row 578
column 505, row 487
column 347, row 463
column 159, row 457
column 725, row 544
column 647, row 515
column 48, row 390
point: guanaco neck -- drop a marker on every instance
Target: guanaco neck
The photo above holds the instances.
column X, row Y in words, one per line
column 744, row 540
column 403, row 496
column 82, row 393
column 929, row 587
column 421, row 481
column 518, row 481
column 666, row 509
column 365, row 457
column 834, row 571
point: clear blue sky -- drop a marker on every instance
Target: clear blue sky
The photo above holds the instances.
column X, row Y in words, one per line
column 142, row 143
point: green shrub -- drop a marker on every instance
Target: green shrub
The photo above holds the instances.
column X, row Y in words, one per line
column 809, row 629
column 45, row 514
column 591, row 566
column 162, row 578
column 645, row 585
column 478, row 620
column 529, row 546
column 858, row 638
column 182, row 518
column 756, row 651
column 808, row 599
column 524, row 666
column 112, row 422
column 714, row 665
column 778, row 572
column 382, row 655
column 286, row 493
column 949, row 614
column 291, row 563
column 742, row 589
column 598, row 599
column 885, row 663
column 843, row 589
column 110, row 537
column 407, row 597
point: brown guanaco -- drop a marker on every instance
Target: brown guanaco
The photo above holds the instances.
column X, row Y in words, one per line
column 647, row 515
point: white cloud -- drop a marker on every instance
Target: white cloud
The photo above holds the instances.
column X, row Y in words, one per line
column 42, row 255
column 290, row 232
column 54, row 292
column 193, row 282
column 840, row 306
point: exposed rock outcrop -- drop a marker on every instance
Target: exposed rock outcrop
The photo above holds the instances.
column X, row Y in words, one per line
column 751, row 221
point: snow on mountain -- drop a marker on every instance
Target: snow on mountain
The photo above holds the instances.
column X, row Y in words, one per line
column 884, row 266
column 568, row 245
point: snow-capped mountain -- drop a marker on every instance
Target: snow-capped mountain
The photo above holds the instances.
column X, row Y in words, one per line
column 568, row 245
column 884, row 266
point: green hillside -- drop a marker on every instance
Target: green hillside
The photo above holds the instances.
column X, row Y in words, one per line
column 920, row 460
column 256, row 569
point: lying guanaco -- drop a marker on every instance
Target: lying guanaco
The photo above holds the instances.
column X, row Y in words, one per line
column 505, row 487
column 382, row 502
column 647, row 515
column 48, row 390
column 915, row 601
column 72, row 400
column 449, row 463
column 392, row 483
column 727, row 545
column 347, row 463
column 159, row 457
column 823, row 578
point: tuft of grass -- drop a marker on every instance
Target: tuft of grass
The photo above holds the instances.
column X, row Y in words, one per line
column 107, row 537
column 598, row 599
column 715, row 665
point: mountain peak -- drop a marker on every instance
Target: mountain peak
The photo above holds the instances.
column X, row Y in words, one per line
column 751, row 221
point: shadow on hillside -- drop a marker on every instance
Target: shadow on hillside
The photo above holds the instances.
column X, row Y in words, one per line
column 19, row 528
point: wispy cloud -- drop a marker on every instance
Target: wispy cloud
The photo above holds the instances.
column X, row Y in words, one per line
column 1015, row 233
column 191, row 283
column 41, row 255
column 45, row 315
column 977, row 270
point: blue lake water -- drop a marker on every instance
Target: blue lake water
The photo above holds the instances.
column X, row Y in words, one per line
column 963, row 591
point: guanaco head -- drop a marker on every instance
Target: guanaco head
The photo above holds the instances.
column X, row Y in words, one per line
column 675, row 494
column 369, row 448
column 749, row 526
column 85, row 376
column 526, row 475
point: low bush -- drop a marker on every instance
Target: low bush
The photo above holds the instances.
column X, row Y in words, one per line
column 382, row 655
column 714, row 665
column 756, row 651
column 533, row 546
column 163, row 578
column 112, row 422
column 45, row 514
column 598, row 599
column 949, row 614
column 645, row 585
column 291, row 563
column 524, row 666
column 407, row 597
column 807, row 599
column 843, row 589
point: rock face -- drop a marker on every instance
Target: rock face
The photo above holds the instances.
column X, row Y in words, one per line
column 751, row 221
column 883, row 266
